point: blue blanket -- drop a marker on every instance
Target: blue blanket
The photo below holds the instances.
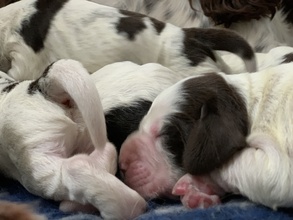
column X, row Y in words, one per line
column 235, row 208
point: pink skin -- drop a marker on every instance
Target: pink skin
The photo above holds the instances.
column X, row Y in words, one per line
column 197, row 191
column 146, row 166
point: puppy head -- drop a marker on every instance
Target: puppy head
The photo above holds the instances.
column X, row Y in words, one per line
column 227, row 12
column 210, row 126
column 193, row 126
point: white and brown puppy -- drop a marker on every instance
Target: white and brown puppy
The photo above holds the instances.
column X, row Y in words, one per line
column 127, row 90
column 265, row 24
column 53, row 141
column 198, row 124
column 35, row 33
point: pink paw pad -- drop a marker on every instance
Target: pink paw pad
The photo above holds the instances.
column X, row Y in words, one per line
column 195, row 199
column 195, row 192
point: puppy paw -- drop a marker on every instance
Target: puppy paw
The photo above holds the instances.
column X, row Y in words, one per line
column 195, row 192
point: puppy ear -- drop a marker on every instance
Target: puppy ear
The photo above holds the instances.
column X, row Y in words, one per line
column 219, row 132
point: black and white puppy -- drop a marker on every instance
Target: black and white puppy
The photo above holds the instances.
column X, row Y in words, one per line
column 35, row 33
column 197, row 125
column 53, row 141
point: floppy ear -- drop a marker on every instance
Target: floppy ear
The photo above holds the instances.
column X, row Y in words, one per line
column 219, row 132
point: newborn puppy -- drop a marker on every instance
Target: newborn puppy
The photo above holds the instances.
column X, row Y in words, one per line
column 200, row 123
column 47, row 30
column 265, row 24
column 262, row 171
column 53, row 141
column 127, row 90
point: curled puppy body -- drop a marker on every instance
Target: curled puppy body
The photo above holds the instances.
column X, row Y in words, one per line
column 216, row 127
column 54, row 141
column 264, row 24
column 45, row 31
column 127, row 90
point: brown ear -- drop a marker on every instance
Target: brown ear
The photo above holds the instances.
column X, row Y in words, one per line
column 219, row 132
column 227, row 12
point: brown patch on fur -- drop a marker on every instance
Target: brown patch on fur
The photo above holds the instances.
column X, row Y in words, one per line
column 227, row 12
column 15, row 211
column 6, row 2
column 288, row 58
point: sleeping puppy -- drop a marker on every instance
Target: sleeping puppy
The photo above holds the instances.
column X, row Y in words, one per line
column 53, row 141
column 265, row 24
column 127, row 90
column 47, row 30
column 197, row 125
column 261, row 171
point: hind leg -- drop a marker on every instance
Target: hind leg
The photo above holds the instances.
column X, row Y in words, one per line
column 84, row 180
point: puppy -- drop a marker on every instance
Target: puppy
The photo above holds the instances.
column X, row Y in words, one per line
column 264, row 24
column 127, row 90
column 97, row 35
column 261, row 171
column 54, row 141
column 199, row 124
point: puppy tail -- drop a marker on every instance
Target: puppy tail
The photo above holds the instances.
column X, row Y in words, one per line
column 68, row 82
column 226, row 40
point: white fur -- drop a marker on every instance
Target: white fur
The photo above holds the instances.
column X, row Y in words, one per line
column 60, row 152
column 86, row 32
column 273, row 57
column 262, row 171
column 263, row 34
column 124, row 83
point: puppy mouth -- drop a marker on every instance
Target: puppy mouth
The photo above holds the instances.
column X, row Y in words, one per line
column 149, row 183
